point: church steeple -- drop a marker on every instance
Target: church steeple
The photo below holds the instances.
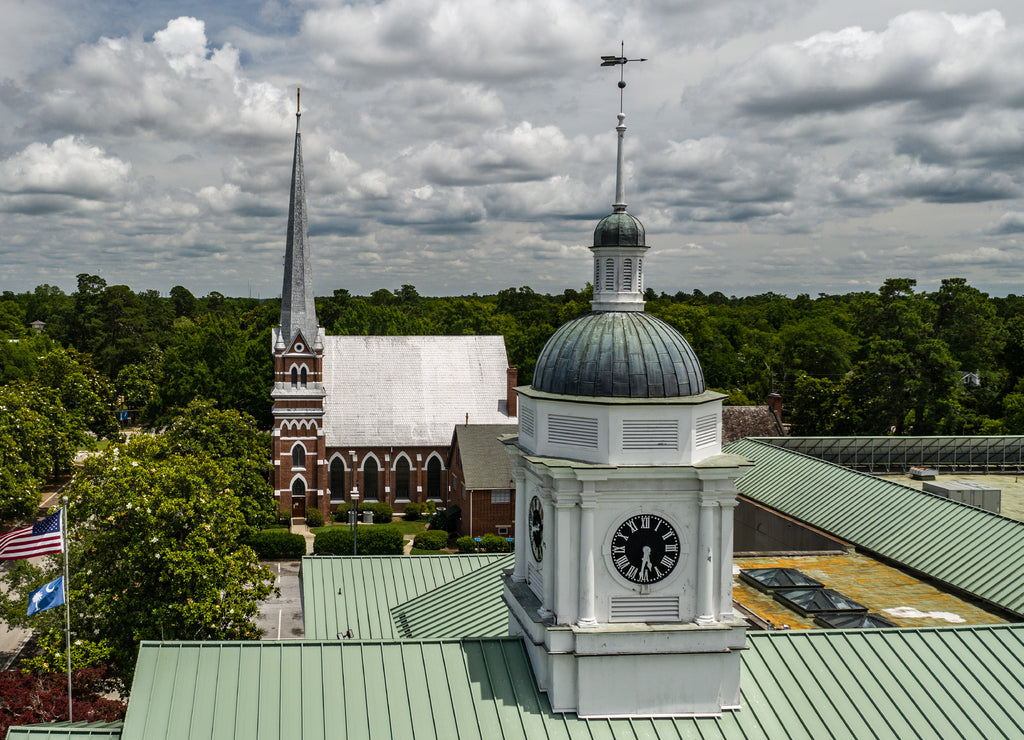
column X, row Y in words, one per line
column 298, row 310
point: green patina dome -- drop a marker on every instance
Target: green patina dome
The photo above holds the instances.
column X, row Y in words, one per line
column 618, row 354
column 619, row 230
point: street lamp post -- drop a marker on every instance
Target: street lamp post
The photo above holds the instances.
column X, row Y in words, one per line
column 353, row 515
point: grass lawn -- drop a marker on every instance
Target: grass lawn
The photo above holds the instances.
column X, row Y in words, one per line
column 400, row 524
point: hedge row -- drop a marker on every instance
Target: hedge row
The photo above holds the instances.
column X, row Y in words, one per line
column 433, row 539
column 371, row 541
column 278, row 544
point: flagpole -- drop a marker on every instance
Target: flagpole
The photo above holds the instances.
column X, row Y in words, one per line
column 67, row 600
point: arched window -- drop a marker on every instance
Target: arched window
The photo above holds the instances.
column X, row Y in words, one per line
column 434, row 478
column 298, row 456
column 627, row 274
column 609, row 274
column 370, row 480
column 402, row 478
column 295, row 378
column 302, row 377
column 337, row 480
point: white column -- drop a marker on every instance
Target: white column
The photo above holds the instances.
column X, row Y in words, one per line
column 522, row 529
column 565, row 596
column 706, row 562
column 728, row 509
column 547, row 607
column 588, row 503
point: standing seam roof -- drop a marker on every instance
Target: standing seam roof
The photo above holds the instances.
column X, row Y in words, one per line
column 941, row 683
column 963, row 546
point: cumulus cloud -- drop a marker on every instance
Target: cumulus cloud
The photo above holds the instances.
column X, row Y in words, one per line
column 69, row 169
column 456, row 39
column 175, row 85
column 934, row 60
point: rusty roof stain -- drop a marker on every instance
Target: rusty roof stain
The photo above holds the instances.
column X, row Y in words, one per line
column 870, row 582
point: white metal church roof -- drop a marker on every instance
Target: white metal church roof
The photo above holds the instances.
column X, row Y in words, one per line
column 412, row 390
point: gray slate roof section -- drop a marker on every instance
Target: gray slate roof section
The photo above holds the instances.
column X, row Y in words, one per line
column 485, row 462
column 970, row 549
column 298, row 309
column 412, row 390
column 618, row 354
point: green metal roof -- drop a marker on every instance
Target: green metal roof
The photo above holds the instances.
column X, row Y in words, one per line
column 912, row 683
column 359, row 593
column 67, row 731
column 965, row 547
column 469, row 606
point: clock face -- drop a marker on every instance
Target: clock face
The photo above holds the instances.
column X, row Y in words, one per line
column 536, row 522
column 645, row 549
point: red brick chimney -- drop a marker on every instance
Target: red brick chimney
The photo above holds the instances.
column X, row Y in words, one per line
column 774, row 400
column 511, row 376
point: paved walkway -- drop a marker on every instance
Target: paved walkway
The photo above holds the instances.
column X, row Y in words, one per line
column 280, row 617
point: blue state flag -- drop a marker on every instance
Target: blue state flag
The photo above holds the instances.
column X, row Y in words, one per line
column 47, row 597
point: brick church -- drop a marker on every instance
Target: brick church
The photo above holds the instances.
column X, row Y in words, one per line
column 369, row 414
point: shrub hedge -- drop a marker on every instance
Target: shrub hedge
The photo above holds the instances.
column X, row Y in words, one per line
column 412, row 512
column 382, row 512
column 278, row 544
column 466, row 544
column 371, row 541
column 431, row 540
column 341, row 513
column 494, row 543
column 314, row 518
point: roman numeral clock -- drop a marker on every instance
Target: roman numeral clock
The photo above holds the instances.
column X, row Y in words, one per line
column 645, row 549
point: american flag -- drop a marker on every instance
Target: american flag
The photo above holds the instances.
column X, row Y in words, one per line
column 42, row 538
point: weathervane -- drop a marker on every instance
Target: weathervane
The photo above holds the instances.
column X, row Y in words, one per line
column 620, row 184
column 620, row 60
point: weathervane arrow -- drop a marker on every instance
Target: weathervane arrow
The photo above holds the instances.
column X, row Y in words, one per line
column 620, row 61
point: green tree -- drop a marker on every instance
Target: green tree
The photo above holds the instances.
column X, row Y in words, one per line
column 155, row 536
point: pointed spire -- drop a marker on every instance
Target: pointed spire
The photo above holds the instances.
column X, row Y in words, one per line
column 298, row 310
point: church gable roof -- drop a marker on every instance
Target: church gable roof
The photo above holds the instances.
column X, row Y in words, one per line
column 411, row 390
column 485, row 462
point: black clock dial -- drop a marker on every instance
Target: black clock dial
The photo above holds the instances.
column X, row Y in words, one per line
column 536, row 522
column 645, row 549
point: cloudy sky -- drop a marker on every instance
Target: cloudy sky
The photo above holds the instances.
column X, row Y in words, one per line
column 468, row 145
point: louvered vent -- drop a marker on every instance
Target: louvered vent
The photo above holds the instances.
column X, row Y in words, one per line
column 650, row 435
column 627, row 274
column 527, row 421
column 572, row 430
column 645, row 609
column 597, row 271
column 707, row 430
column 609, row 274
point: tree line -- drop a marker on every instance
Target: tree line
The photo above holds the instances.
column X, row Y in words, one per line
column 895, row 361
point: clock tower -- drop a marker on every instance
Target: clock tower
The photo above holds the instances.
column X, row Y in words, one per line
column 622, row 586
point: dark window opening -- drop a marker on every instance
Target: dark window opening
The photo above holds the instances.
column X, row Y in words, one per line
column 434, row 478
column 337, row 480
column 370, row 480
column 402, row 478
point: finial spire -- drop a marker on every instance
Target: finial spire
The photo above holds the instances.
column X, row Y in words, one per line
column 298, row 102
column 620, row 184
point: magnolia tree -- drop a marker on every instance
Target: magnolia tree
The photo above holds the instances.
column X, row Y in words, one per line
column 156, row 530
